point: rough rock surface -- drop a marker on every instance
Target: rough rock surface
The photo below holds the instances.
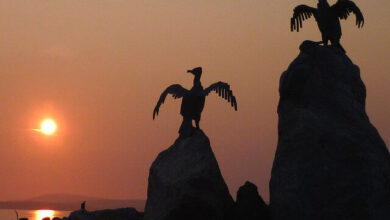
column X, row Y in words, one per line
column 249, row 204
column 107, row 214
column 330, row 161
column 185, row 183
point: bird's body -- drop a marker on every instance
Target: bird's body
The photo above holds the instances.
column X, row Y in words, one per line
column 193, row 103
column 328, row 19
column 194, row 100
column 328, row 23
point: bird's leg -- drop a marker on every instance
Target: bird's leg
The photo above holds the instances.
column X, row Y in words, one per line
column 197, row 124
column 324, row 41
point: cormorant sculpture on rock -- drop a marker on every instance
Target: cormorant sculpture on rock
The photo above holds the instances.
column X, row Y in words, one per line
column 327, row 18
column 193, row 100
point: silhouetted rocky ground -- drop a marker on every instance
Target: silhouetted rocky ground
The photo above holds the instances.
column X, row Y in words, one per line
column 108, row 214
column 330, row 161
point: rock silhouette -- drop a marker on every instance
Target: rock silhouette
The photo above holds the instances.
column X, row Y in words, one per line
column 193, row 100
column 249, row 204
column 330, row 161
column 107, row 214
column 327, row 18
column 185, row 183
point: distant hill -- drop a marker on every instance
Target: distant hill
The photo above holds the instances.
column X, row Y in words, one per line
column 71, row 202
column 63, row 198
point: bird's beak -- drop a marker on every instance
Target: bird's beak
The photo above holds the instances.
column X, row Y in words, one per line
column 189, row 71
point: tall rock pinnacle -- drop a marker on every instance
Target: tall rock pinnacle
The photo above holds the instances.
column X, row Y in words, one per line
column 185, row 183
column 330, row 162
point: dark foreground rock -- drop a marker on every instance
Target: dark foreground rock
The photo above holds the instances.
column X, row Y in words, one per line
column 249, row 204
column 107, row 214
column 185, row 183
column 330, row 161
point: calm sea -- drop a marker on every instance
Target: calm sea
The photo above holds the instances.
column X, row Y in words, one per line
column 9, row 214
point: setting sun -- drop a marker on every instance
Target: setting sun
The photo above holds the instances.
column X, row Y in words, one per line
column 48, row 126
column 40, row 214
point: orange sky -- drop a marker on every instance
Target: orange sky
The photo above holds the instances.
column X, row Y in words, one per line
column 99, row 66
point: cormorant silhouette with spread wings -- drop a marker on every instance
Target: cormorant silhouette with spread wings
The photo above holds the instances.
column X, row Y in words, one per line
column 327, row 18
column 193, row 100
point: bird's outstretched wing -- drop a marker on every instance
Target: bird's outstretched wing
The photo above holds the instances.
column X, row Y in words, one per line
column 176, row 90
column 344, row 7
column 223, row 89
column 301, row 13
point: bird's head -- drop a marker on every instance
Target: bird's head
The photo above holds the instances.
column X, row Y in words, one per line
column 197, row 72
column 322, row 3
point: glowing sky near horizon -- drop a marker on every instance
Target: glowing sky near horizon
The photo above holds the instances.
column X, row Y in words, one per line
column 98, row 67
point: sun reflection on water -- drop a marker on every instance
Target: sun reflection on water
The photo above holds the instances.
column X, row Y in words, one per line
column 40, row 214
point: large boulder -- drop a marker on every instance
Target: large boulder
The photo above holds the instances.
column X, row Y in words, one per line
column 107, row 214
column 185, row 183
column 249, row 204
column 330, row 161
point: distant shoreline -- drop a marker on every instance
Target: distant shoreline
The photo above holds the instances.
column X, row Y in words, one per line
column 70, row 206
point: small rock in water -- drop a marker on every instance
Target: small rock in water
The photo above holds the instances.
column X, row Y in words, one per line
column 249, row 204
